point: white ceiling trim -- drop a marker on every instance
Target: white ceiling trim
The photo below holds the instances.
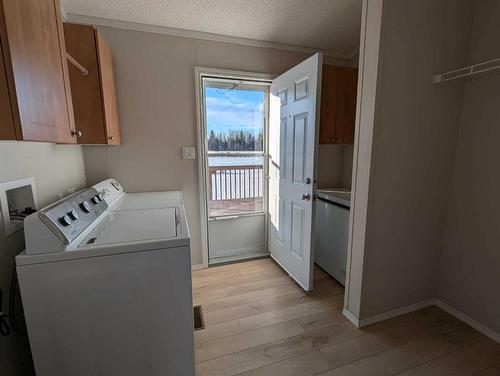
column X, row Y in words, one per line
column 119, row 24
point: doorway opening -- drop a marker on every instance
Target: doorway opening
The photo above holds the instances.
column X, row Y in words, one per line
column 258, row 177
column 234, row 127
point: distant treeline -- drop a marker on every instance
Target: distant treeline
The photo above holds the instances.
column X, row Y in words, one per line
column 235, row 141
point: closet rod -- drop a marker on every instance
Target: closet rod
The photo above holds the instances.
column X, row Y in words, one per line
column 78, row 66
column 469, row 71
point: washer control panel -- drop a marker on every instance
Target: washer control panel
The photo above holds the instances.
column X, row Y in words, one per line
column 69, row 217
column 109, row 190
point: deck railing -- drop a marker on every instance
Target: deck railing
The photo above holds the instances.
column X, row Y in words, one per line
column 236, row 182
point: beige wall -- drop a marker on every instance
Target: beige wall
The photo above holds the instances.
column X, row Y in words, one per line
column 470, row 261
column 347, row 160
column 56, row 168
column 335, row 166
column 155, row 79
column 413, row 146
column 330, row 166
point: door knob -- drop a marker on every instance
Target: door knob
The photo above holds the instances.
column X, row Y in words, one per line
column 306, row 197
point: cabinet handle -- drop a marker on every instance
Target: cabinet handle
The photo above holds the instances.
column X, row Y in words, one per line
column 111, row 138
column 76, row 133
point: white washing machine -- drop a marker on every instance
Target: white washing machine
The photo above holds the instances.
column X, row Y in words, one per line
column 117, row 199
column 106, row 289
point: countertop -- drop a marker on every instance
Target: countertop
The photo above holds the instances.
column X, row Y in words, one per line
column 336, row 195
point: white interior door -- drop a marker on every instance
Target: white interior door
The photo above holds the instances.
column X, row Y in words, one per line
column 293, row 129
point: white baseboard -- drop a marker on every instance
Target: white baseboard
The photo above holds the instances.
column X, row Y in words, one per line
column 396, row 312
column 351, row 317
column 387, row 315
column 414, row 307
column 469, row 321
column 198, row 266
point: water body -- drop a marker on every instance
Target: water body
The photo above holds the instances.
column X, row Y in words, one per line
column 253, row 160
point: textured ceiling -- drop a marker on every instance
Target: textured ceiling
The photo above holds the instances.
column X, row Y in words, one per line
column 331, row 25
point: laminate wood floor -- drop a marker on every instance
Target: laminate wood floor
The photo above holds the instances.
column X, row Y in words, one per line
column 259, row 322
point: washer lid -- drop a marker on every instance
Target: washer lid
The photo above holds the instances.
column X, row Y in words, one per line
column 121, row 227
column 147, row 200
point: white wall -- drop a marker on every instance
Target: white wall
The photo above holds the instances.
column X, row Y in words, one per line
column 155, row 81
column 56, row 168
column 470, row 261
column 414, row 135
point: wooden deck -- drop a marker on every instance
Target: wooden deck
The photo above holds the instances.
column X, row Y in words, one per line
column 217, row 208
column 259, row 323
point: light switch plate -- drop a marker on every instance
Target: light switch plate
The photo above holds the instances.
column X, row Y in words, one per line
column 188, row 152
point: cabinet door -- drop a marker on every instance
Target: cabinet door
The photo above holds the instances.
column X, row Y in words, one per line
column 38, row 65
column 346, row 105
column 328, row 104
column 85, row 89
column 7, row 131
column 108, row 91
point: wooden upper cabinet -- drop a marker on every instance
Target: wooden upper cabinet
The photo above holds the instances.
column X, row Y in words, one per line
column 328, row 104
column 338, row 105
column 108, row 91
column 94, row 94
column 36, row 70
column 7, row 130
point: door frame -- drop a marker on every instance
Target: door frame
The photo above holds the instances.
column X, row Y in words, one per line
column 200, row 73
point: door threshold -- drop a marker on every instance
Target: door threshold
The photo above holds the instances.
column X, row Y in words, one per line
column 235, row 259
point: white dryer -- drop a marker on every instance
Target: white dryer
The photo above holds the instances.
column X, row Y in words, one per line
column 108, row 292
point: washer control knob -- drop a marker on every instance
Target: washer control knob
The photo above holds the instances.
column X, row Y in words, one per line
column 95, row 200
column 73, row 214
column 85, row 206
column 100, row 197
column 65, row 220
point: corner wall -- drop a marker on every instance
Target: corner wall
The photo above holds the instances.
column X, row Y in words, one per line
column 56, row 168
column 414, row 134
column 469, row 271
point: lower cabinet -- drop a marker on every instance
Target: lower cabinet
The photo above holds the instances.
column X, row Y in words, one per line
column 331, row 238
column 93, row 87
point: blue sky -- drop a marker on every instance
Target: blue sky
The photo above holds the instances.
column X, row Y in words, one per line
column 234, row 110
